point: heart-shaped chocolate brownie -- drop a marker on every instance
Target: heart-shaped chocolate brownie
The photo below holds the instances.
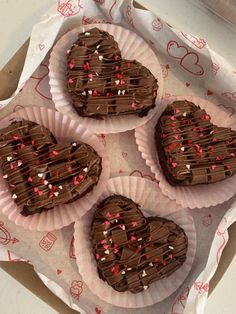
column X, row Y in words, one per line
column 191, row 149
column 42, row 173
column 101, row 83
column 133, row 251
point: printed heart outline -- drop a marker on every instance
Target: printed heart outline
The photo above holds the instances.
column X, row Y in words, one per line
column 157, row 25
column 68, row 8
column 40, row 80
column 185, row 56
column 230, row 95
column 180, row 301
column 228, row 108
column 41, row 46
column 138, row 173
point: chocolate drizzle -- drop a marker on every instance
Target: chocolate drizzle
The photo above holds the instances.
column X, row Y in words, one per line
column 191, row 149
column 42, row 173
column 133, row 251
column 101, row 83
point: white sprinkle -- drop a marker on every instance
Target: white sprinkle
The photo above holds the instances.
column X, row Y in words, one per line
column 50, row 186
column 84, row 93
column 182, row 148
column 87, row 34
column 103, row 258
column 105, row 232
column 100, row 58
column 98, row 46
column 95, row 51
column 151, row 264
column 85, row 169
column 119, row 92
column 123, row 92
column 45, row 182
column 107, row 252
column 185, row 114
column 139, row 239
column 123, row 227
column 117, row 82
column 110, row 240
column 9, row 158
column 116, row 220
column 40, row 175
column 90, row 92
column 56, row 193
column 144, row 274
column 96, row 73
column 188, row 167
column 14, row 196
column 123, row 272
column 129, row 268
column 60, row 187
column 5, row 176
column 145, row 287
column 19, row 163
column 68, row 51
column 212, row 131
column 170, row 247
column 74, row 144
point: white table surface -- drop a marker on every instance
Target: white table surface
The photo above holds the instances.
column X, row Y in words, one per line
column 16, row 20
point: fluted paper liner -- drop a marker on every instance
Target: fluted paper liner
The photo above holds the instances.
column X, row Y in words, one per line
column 65, row 130
column 153, row 203
column 198, row 196
column 132, row 47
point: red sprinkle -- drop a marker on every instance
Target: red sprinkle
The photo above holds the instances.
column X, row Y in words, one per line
column 117, row 215
column 122, row 82
column 70, row 81
column 117, row 67
column 15, row 137
column 176, row 136
column 90, row 75
column 174, row 164
column 156, row 259
column 133, row 238
column 75, row 181
column 164, row 135
column 134, row 223
column 177, row 110
column 105, row 246
column 147, row 256
column 103, row 241
column 22, row 146
column 72, row 64
column 97, row 256
column 36, row 189
column 115, row 270
column 29, row 179
column 108, row 215
column 172, row 118
column 107, row 223
column 213, row 167
column 228, row 167
column 81, row 177
column 116, row 56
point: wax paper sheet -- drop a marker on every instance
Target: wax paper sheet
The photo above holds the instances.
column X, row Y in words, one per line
column 190, row 67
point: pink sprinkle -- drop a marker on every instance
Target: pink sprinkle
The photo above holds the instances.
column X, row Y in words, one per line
column 95, row 93
column 103, row 241
column 156, row 259
column 133, row 238
column 40, row 193
column 117, row 215
column 107, row 223
column 15, row 137
column 164, row 135
column 105, row 246
column 108, row 214
column 176, row 136
column 219, row 158
column 116, row 67
column 228, row 167
column 70, row 81
column 116, row 56
column 206, row 117
column 172, row 118
column 174, row 164
column 122, row 82
column 29, row 179
column 201, row 129
column 97, row 256
column 170, row 256
column 36, row 189
column 177, row 110
column 75, row 181
column 54, row 152
column 232, row 154
column 134, row 223
column 90, row 75
column 33, row 142
column 12, row 166
column 22, row 146
column 116, row 250
column 133, row 105
column 71, row 64
column 81, row 177
column 213, row 167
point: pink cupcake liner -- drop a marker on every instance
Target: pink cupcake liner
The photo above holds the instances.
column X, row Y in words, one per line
column 193, row 196
column 132, row 47
column 65, row 130
column 153, row 203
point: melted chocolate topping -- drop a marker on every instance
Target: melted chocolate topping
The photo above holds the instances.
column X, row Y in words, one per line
column 133, row 251
column 42, row 173
column 191, row 149
column 101, row 83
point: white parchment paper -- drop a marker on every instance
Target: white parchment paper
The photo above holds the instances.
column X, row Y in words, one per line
column 190, row 67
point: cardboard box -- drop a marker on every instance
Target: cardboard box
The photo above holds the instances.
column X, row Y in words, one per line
column 23, row 272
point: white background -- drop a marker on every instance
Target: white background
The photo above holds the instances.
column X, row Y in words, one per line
column 16, row 20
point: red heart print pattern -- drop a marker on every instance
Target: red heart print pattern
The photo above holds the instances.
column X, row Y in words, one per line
column 41, row 46
column 179, row 304
column 138, row 173
column 111, row 8
column 197, row 42
column 42, row 85
column 129, row 15
column 47, row 242
column 100, row 1
column 230, row 96
column 157, row 25
column 68, row 8
column 94, row 20
column 201, row 287
column 215, row 67
column 232, row 110
column 189, row 61
column 72, row 248
column 76, row 289
column 5, row 236
column 59, row 271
